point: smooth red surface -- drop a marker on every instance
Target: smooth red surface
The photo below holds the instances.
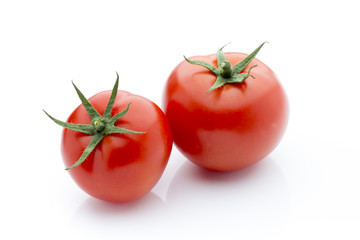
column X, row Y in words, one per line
column 123, row 167
column 228, row 128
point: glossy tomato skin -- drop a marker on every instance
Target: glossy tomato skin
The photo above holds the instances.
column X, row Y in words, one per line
column 231, row 127
column 123, row 167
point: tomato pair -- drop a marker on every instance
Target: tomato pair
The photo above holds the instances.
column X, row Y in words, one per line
column 222, row 112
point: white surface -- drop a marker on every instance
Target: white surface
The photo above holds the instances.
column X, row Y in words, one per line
column 308, row 188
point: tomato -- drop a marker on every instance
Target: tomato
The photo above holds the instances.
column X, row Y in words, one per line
column 225, row 127
column 122, row 166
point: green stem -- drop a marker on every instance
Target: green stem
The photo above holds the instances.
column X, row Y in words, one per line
column 226, row 73
column 226, row 70
column 98, row 124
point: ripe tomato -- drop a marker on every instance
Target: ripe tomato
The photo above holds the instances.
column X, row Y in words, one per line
column 122, row 166
column 231, row 126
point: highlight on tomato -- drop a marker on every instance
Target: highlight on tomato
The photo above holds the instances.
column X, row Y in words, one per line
column 116, row 145
column 227, row 111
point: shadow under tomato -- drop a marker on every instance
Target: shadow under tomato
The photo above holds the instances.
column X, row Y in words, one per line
column 94, row 215
column 256, row 195
column 137, row 218
column 99, row 208
column 219, row 177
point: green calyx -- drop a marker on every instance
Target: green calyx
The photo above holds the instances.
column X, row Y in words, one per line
column 100, row 125
column 225, row 72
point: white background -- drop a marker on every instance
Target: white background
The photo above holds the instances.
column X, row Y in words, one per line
column 308, row 188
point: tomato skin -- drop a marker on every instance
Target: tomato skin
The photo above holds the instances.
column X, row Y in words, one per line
column 123, row 167
column 231, row 127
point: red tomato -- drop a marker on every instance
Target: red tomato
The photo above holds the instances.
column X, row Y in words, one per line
column 230, row 127
column 122, row 167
